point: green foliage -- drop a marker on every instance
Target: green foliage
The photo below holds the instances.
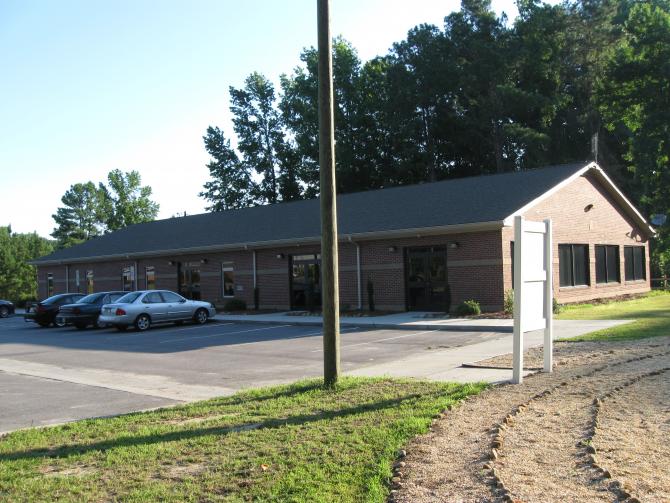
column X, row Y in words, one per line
column 508, row 302
column 556, row 307
column 300, row 443
column 89, row 211
column 468, row 308
column 235, row 305
column 18, row 278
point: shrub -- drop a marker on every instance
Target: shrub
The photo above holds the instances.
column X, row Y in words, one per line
column 257, row 296
column 508, row 303
column 235, row 305
column 556, row 307
column 469, row 308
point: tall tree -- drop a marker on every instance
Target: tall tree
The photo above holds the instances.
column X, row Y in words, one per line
column 18, row 278
column 261, row 140
column 126, row 201
column 82, row 215
column 635, row 97
column 231, row 185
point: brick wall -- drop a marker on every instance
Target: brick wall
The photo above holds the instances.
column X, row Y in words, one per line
column 604, row 224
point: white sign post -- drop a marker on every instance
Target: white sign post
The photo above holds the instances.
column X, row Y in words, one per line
column 533, row 294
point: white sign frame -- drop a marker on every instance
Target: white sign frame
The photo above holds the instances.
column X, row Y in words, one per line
column 533, row 274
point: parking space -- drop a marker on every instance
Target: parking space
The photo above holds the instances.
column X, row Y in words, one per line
column 53, row 375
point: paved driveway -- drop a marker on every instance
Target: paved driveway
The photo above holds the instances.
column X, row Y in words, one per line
column 54, row 375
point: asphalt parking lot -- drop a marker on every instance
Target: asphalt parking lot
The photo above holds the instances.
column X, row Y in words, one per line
column 50, row 375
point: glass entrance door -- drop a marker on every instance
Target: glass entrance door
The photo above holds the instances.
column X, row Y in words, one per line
column 305, row 279
column 189, row 280
column 426, row 278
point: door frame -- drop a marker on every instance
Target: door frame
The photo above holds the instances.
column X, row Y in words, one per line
column 406, row 255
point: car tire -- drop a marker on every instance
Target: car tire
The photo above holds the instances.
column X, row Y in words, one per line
column 80, row 326
column 59, row 324
column 142, row 323
column 4, row 311
column 201, row 316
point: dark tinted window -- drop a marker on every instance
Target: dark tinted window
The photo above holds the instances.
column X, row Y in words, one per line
column 635, row 263
column 129, row 298
column 607, row 264
column 573, row 264
column 91, row 299
column 113, row 297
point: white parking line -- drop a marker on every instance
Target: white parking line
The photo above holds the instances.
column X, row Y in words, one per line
column 381, row 340
column 135, row 334
column 167, row 341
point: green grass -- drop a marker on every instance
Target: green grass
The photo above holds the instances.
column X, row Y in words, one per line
column 308, row 444
column 651, row 312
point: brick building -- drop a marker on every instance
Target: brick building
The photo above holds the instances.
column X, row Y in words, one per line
column 415, row 245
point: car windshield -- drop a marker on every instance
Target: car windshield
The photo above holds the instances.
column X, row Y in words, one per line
column 91, row 299
column 53, row 299
column 129, row 298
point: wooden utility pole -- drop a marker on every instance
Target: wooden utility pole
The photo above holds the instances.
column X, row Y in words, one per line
column 330, row 283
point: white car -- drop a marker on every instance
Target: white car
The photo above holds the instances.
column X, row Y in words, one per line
column 148, row 307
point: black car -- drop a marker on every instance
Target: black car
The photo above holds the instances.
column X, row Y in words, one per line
column 44, row 313
column 86, row 310
column 6, row 308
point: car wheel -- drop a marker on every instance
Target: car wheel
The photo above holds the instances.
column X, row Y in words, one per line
column 81, row 326
column 201, row 316
column 59, row 324
column 4, row 311
column 142, row 323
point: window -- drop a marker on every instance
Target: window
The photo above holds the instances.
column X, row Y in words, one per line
column 607, row 264
column 635, row 263
column 128, row 278
column 89, row 282
column 171, row 297
column 150, row 277
column 114, row 297
column 228, row 276
column 50, row 285
column 152, row 298
column 573, row 264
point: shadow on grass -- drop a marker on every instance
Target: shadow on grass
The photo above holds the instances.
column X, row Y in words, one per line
column 172, row 436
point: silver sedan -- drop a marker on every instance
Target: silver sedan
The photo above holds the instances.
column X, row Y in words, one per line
column 147, row 307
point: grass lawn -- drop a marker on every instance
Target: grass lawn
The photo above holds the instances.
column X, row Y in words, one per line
column 289, row 443
column 652, row 315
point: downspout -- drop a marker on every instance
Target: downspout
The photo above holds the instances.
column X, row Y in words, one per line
column 253, row 257
column 359, row 291
column 67, row 279
column 359, row 276
column 136, row 273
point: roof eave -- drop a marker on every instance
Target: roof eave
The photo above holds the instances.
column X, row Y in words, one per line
column 351, row 237
column 609, row 185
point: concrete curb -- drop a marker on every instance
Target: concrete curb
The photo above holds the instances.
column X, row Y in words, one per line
column 384, row 326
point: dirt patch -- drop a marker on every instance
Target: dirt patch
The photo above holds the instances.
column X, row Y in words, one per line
column 68, row 471
column 573, row 435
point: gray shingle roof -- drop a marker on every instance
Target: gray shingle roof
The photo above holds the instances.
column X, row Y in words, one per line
column 488, row 198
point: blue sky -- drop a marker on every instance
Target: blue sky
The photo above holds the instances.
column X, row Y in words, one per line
column 91, row 86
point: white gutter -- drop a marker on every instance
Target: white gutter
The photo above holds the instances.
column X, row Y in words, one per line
column 358, row 276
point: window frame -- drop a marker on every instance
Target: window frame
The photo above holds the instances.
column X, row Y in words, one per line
column 149, row 269
column 642, row 266
column 587, row 266
column 616, row 265
column 227, row 267
column 128, row 272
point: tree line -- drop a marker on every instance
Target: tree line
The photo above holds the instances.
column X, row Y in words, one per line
column 478, row 95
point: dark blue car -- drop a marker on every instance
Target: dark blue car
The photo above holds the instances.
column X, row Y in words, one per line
column 87, row 310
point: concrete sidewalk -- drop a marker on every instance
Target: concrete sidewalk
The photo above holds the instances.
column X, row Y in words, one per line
column 447, row 364
column 396, row 321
